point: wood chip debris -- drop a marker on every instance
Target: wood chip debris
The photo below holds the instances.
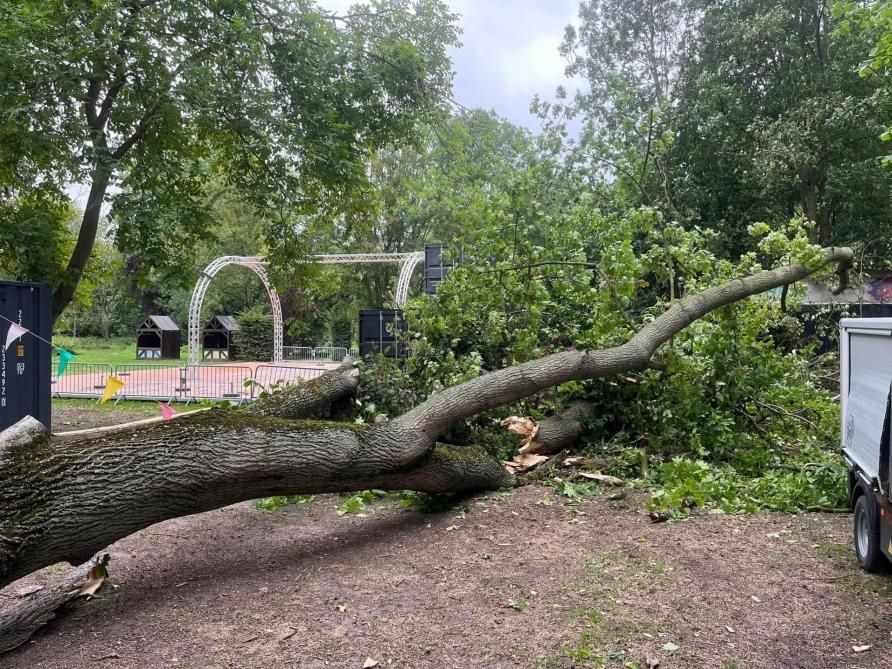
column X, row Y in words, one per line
column 110, row 656
column 523, row 426
column 522, row 463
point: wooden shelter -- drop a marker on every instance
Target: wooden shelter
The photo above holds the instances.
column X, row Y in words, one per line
column 158, row 338
column 218, row 338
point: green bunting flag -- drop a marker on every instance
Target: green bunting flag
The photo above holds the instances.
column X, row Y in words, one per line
column 64, row 358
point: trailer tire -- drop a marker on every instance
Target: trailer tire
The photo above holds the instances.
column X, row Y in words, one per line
column 867, row 535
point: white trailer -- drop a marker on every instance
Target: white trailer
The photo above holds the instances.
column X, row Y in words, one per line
column 865, row 348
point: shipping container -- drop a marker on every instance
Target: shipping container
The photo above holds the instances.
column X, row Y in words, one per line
column 25, row 367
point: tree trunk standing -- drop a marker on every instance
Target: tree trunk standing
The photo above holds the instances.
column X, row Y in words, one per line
column 64, row 292
column 66, row 501
column 812, row 188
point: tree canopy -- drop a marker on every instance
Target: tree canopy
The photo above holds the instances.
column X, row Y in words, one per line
column 157, row 98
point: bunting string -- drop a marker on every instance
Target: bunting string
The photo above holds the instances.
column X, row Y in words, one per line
column 113, row 384
column 17, row 331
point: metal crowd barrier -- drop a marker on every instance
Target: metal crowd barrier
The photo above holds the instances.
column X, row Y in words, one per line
column 299, row 353
column 150, row 382
column 217, row 382
column 267, row 375
column 329, row 353
column 319, row 354
column 81, row 379
column 186, row 383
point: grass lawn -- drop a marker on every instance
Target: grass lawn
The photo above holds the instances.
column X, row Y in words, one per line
column 113, row 351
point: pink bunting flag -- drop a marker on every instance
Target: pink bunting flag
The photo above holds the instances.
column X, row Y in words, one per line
column 15, row 331
column 167, row 411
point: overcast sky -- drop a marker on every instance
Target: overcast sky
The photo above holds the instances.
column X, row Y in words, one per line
column 509, row 52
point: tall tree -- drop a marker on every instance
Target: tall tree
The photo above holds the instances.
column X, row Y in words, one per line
column 773, row 118
column 158, row 97
column 461, row 172
column 725, row 113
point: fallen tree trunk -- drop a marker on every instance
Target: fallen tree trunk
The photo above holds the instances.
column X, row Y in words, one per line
column 560, row 431
column 65, row 502
column 32, row 611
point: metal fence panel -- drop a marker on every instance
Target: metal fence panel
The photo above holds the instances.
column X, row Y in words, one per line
column 329, row 354
column 217, row 382
column 298, row 353
column 174, row 382
column 81, row 379
column 319, row 354
column 151, row 382
column 267, row 375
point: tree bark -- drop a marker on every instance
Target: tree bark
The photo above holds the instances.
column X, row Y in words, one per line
column 65, row 502
column 31, row 612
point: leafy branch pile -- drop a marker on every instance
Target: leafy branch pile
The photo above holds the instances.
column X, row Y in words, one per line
column 729, row 420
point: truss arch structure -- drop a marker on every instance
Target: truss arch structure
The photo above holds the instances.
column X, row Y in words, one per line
column 257, row 264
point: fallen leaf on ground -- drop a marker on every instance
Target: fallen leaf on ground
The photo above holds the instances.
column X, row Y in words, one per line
column 574, row 460
column 369, row 663
column 603, row 478
column 861, row 649
column 671, row 647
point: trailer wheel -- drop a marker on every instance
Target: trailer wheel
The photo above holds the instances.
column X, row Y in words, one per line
column 867, row 536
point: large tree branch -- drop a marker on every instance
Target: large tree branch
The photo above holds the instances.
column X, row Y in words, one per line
column 504, row 386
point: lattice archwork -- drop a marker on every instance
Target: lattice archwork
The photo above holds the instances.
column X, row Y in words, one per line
column 408, row 262
column 257, row 265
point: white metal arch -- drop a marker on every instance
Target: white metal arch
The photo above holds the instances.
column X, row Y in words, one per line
column 402, row 285
column 256, row 264
column 407, row 261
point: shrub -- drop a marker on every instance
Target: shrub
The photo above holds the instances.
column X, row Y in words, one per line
column 342, row 333
column 255, row 336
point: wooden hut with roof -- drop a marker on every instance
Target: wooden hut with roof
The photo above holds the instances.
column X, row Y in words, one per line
column 158, row 338
column 218, row 339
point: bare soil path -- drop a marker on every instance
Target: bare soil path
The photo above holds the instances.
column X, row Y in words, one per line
column 520, row 579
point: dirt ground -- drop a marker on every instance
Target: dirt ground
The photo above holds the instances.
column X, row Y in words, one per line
column 70, row 415
column 519, row 579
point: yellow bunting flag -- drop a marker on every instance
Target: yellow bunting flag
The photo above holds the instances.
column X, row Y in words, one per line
column 112, row 386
